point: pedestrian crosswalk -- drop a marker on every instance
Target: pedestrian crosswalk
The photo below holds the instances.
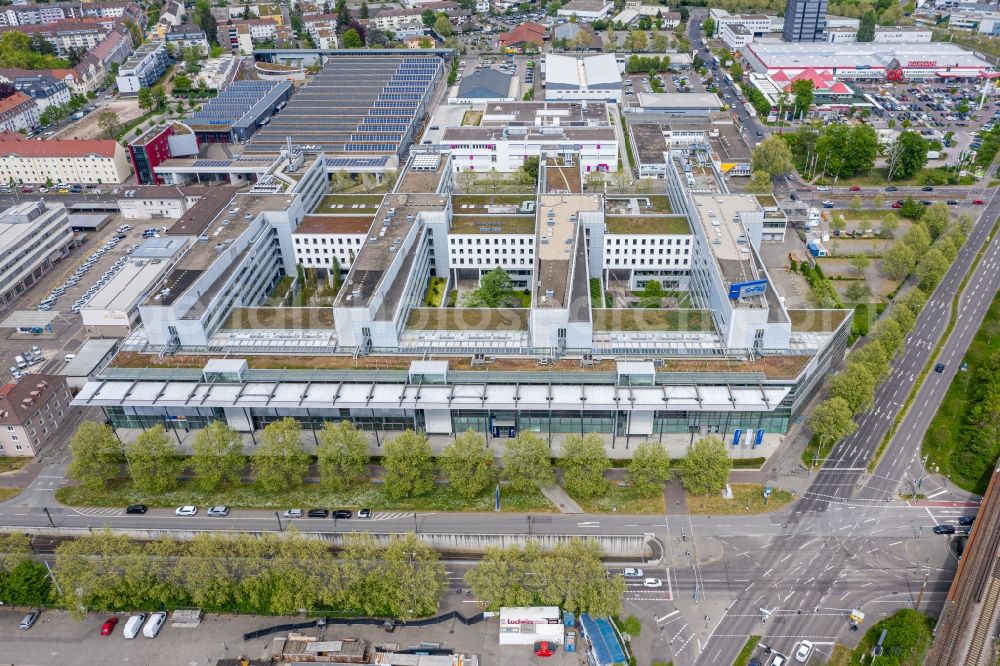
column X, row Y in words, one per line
column 392, row 515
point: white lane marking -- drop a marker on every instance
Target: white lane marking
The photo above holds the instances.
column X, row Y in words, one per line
column 932, row 516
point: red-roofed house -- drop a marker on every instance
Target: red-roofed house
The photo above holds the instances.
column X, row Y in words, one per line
column 825, row 85
column 526, row 35
column 62, row 160
column 18, row 112
column 31, row 412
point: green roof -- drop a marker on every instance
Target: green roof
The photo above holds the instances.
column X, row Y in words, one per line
column 817, row 321
column 652, row 319
column 467, row 319
column 492, row 224
column 647, row 224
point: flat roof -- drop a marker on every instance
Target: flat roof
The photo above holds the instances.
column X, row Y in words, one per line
column 680, row 101
column 730, row 145
column 650, row 143
column 335, row 224
column 648, row 224
column 88, row 357
column 531, row 133
column 197, row 218
column 555, row 243
column 582, row 72
column 718, row 214
column 781, row 55
column 123, row 291
column 492, row 224
column 374, row 258
column 569, row 114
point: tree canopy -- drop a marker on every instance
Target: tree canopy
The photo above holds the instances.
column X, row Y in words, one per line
column 583, row 463
column 409, row 466
column 280, row 462
column 95, row 455
column 526, row 462
column 705, row 469
column 468, row 464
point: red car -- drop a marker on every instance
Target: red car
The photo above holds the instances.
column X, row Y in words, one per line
column 27, row 190
column 979, row 202
column 108, row 626
column 896, row 204
column 855, row 188
column 544, row 648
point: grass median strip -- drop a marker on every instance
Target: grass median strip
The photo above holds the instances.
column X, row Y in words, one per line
column 744, row 495
column 248, row 496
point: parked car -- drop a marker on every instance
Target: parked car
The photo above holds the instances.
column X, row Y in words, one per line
column 342, row 513
column 294, row 513
column 318, row 513
column 28, row 621
column 154, row 624
column 219, row 511
column 966, row 520
column 186, row 510
column 133, row 625
column 137, row 508
column 804, row 652
column 944, row 529
column 855, row 188
column 109, row 626
column 365, row 513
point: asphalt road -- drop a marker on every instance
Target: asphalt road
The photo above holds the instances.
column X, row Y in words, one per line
column 845, row 468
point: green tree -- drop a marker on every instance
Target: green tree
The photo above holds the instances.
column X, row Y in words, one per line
column 636, row 41
column 899, row 261
column 352, row 40
column 931, row 269
column 649, row 469
column 856, row 385
column 409, row 466
column 802, row 90
column 202, row 17
column 442, row 26
column 25, row 584
column 153, row 461
column 583, row 463
column 363, row 12
column 860, row 262
column 889, row 225
column 773, row 157
column 660, row 42
column 705, row 469
column 530, row 168
column 831, row 420
column 866, row 30
column 889, row 334
column 218, row 456
column 95, row 455
column 874, row 357
column 280, row 462
column 468, row 464
column 936, row 219
column 907, row 155
column 146, row 99
column 526, row 462
column 182, row 85
column 342, row 455
column 413, row 577
column 760, row 183
column 428, row 17
column 493, row 289
column 708, row 27
column 736, row 71
column 858, row 291
column 918, row 239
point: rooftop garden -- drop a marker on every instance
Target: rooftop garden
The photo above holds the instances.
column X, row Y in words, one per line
column 349, row 203
column 816, row 321
column 279, row 318
column 493, row 224
column 648, row 224
column 467, row 319
column 462, row 202
column 560, row 178
column 652, row 319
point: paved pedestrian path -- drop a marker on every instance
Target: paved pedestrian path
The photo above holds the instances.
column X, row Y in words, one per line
column 561, row 499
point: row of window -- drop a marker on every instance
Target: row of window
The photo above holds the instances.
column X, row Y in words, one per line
column 645, row 253
column 341, row 240
column 490, row 240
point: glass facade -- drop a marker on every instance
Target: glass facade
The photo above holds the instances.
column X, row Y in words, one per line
column 721, row 422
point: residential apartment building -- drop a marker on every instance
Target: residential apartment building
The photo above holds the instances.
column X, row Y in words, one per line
column 96, row 161
column 45, row 90
column 66, row 35
column 31, row 412
column 188, row 36
column 18, row 112
column 51, row 12
column 243, row 34
column 33, row 236
column 147, row 64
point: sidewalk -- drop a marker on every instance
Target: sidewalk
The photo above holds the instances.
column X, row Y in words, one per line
column 561, row 499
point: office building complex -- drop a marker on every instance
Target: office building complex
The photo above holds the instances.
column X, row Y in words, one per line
column 239, row 111
column 33, row 236
column 805, row 21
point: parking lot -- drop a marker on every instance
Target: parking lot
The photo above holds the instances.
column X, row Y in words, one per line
column 71, row 282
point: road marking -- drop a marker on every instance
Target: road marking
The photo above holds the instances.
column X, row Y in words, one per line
column 937, row 492
column 668, row 615
column 931, row 515
column 588, row 524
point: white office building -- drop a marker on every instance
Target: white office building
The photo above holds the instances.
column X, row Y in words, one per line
column 592, row 78
column 33, row 236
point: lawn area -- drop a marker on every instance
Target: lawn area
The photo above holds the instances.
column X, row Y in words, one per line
column 7, row 492
column 748, row 649
column 815, row 321
column 472, row 118
column 743, row 493
column 621, row 499
column 467, row 319
column 944, row 436
column 648, row 224
column 279, row 318
column 650, row 319
column 492, row 224
column 349, row 203
column 435, row 292
column 248, row 496
column 865, row 314
column 462, row 202
column 12, row 464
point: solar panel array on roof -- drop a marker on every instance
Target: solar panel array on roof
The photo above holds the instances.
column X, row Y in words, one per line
column 356, row 104
column 355, row 162
column 241, row 102
column 212, row 163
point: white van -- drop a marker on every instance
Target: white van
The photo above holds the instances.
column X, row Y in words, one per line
column 21, row 363
column 152, row 627
column 133, row 625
